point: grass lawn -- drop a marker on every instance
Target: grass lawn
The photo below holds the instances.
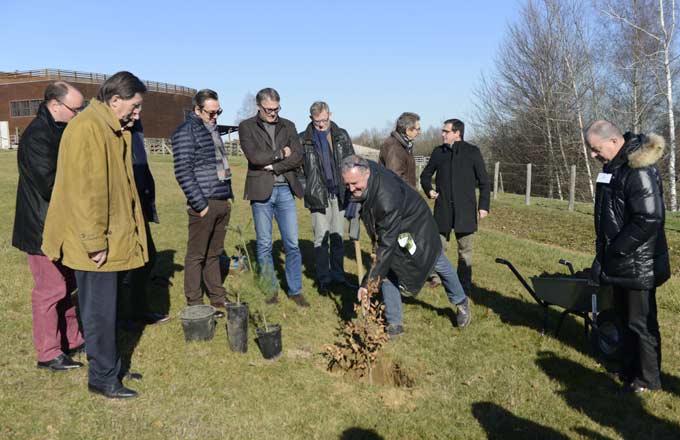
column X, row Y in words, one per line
column 499, row 378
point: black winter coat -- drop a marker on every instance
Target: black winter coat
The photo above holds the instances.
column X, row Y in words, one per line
column 37, row 160
column 631, row 249
column 459, row 169
column 392, row 207
column 316, row 193
column 193, row 152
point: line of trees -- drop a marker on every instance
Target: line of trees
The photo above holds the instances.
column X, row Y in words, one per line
column 565, row 63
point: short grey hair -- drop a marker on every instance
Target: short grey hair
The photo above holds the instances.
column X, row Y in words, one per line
column 405, row 121
column 318, row 107
column 353, row 161
column 603, row 129
column 267, row 94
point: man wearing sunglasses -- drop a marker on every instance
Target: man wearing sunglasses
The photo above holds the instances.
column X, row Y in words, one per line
column 51, row 296
column 202, row 171
column 325, row 145
column 272, row 147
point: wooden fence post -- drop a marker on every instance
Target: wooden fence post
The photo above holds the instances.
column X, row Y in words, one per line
column 527, row 197
column 572, row 187
column 496, row 171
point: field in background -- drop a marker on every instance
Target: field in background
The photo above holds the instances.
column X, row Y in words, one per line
column 498, row 378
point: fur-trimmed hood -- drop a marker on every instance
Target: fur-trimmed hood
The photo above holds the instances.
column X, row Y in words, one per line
column 644, row 150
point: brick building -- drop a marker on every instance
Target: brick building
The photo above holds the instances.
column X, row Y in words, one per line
column 165, row 105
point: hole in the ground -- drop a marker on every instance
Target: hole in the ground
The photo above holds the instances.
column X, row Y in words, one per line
column 384, row 372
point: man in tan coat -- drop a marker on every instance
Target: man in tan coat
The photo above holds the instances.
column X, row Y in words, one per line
column 94, row 222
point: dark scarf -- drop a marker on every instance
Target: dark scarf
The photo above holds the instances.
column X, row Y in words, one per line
column 324, row 150
column 403, row 140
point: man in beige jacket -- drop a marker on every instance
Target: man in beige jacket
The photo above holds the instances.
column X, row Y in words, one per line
column 95, row 224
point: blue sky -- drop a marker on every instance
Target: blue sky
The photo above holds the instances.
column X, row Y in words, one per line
column 369, row 60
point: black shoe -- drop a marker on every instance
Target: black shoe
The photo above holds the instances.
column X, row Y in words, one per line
column 273, row 300
column 152, row 318
column 76, row 351
column 299, row 300
column 131, row 375
column 394, row 331
column 464, row 315
column 60, row 363
column 117, row 391
column 218, row 314
column 324, row 288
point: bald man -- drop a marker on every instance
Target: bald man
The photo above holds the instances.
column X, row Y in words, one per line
column 55, row 327
column 631, row 250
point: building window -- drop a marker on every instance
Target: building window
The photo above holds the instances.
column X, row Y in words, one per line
column 28, row 107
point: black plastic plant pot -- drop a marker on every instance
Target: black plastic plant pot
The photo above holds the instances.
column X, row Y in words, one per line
column 237, row 326
column 270, row 341
column 198, row 322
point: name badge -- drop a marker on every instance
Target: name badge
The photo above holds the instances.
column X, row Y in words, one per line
column 604, row 178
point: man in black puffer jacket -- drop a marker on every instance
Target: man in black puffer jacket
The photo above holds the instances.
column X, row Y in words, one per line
column 202, row 171
column 631, row 249
column 325, row 145
column 405, row 237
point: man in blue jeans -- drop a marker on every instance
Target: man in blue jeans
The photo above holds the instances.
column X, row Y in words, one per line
column 405, row 237
column 274, row 153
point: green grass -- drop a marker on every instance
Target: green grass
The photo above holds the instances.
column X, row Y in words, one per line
column 497, row 378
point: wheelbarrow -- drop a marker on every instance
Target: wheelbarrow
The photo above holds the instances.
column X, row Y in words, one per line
column 581, row 297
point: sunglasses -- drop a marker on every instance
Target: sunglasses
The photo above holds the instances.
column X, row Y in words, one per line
column 74, row 110
column 213, row 113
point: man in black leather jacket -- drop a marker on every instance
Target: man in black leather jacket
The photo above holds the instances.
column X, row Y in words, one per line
column 631, row 249
column 325, row 145
column 54, row 315
column 405, row 237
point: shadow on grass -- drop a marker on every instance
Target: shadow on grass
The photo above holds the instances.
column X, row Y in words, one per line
column 529, row 314
column 596, row 395
column 500, row 423
column 162, row 273
column 360, row 434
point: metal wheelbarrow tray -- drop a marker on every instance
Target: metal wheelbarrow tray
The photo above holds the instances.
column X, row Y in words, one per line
column 578, row 296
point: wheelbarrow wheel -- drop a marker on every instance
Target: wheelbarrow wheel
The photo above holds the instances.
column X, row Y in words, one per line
column 607, row 338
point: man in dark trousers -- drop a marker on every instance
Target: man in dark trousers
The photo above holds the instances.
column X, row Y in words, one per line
column 459, row 170
column 272, row 147
column 95, row 220
column 631, row 249
column 202, row 171
column 54, row 315
column 325, row 145
column 133, row 297
column 405, row 237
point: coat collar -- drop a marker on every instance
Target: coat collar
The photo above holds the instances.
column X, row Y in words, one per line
column 107, row 115
column 638, row 151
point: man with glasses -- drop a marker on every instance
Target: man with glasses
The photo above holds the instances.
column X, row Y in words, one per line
column 95, row 220
column 55, row 327
column 325, row 145
column 202, row 171
column 396, row 153
column 405, row 239
column 459, row 170
column 272, row 147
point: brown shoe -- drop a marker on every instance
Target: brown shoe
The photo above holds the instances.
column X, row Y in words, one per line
column 299, row 300
column 273, row 300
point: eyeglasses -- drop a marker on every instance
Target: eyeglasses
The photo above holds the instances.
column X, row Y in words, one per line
column 213, row 113
column 414, row 128
column 271, row 111
column 320, row 121
column 446, row 131
column 74, row 110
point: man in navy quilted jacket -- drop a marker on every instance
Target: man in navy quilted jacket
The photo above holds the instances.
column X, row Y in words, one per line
column 202, row 171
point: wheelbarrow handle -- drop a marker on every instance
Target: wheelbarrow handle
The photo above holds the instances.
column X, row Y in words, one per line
column 568, row 264
column 521, row 280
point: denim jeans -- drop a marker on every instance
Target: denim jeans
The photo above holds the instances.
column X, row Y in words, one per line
column 280, row 205
column 392, row 297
